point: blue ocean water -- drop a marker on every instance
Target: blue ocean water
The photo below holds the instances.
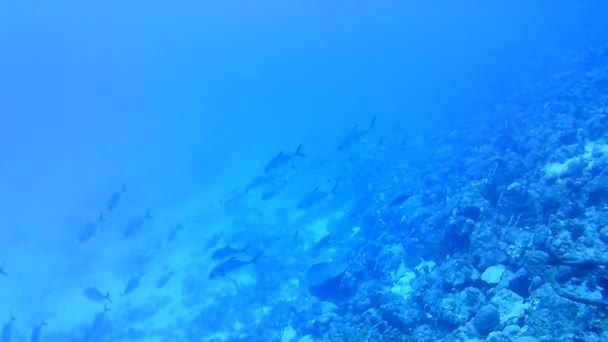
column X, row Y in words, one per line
column 303, row 171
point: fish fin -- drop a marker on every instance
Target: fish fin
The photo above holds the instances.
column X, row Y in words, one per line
column 108, row 298
column 244, row 250
column 356, row 127
column 299, row 151
column 373, row 123
column 280, row 154
column 256, row 258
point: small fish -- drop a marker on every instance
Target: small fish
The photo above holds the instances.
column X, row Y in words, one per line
column 227, row 251
column 93, row 294
column 274, row 189
column 212, row 241
column 355, row 135
column 35, row 337
column 230, row 265
column 256, row 183
column 314, row 197
column 3, row 272
column 361, row 205
column 173, row 232
column 136, row 225
column 282, row 159
column 115, row 198
column 399, row 200
column 164, row 279
column 133, row 283
column 322, row 243
column 97, row 327
column 91, row 229
column 7, row 330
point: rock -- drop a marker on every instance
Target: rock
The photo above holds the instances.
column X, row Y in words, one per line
column 493, row 274
column 486, row 319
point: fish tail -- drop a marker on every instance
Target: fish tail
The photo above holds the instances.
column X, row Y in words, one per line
column 373, row 123
column 244, row 250
column 299, row 151
column 256, row 258
column 108, row 298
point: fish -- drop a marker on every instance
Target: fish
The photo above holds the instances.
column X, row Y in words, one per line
column 7, row 330
column 115, row 198
column 212, row 241
column 227, row 251
column 36, row 333
column 399, row 200
column 256, row 183
column 282, row 159
column 314, row 197
column 91, row 229
column 322, row 243
column 274, row 189
column 173, row 232
column 3, row 272
column 232, row 264
column 93, row 294
column 136, row 225
column 133, row 283
column 361, row 205
column 164, row 279
column 355, row 135
column 96, row 326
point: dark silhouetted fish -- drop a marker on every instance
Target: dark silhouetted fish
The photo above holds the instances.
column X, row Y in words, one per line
column 355, row 135
column 115, row 198
column 282, row 159
column 164, row 279
column 314, row 197
column 361, row 205
column 173, row 232
column 133, row 283
column 136, row 225
column 7, row 330
column 230, row 265
column 399, row 200
column 227, row 251
column 212, row 241
column 36, row 333
column 256, row 183
column 93, row 294
column 322, row 243
column 96, row 328
column 91, row 229
column 274, row 188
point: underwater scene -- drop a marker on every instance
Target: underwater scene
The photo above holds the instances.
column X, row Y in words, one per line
column 334, row 171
